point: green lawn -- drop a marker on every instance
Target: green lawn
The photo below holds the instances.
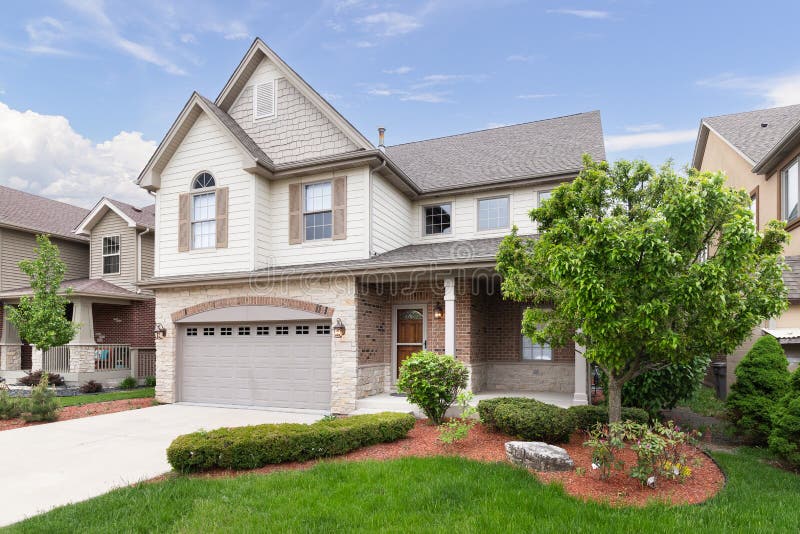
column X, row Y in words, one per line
column 78, row 400
column 421, row 495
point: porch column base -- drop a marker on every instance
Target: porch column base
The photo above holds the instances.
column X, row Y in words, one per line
column 81, row 358
column 10, row 357
column 37, row 358
column 580, row 396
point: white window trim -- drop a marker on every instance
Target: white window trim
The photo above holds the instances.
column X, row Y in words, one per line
column 478, row 214
column 303, row 212
column 423, row 226
column 103, row 252
column 539, row 196
column 783, row 198
column 192, row 221
column 257, row 118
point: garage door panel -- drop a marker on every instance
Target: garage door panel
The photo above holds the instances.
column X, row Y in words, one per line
column 290, row 371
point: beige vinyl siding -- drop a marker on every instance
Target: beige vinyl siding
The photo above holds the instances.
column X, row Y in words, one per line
column 112, row 225
column 262, row 226
column 391, row 216
column 354, row 246
column 16, row 246
column 206, row 147
column 148, row 255
column 465, row 214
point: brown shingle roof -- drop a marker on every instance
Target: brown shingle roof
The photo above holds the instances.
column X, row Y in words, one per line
column 38, row 214
column 542, row 148
column 84, row 286
column 744, row 130
column 145, row 216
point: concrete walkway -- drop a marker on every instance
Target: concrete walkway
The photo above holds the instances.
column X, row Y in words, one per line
column 58, row 463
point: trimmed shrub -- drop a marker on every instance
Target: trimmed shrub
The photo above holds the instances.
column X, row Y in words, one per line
column 762, row 379
column 91, row 387
column 10, row 407
column 150, row 381
column 128, row 383
column 587, row 417
column 785, row 437
column 42, row 405
column 33, row 379
column 528, row 419
column 249, row 447
column 432, row 382
column 663, row 389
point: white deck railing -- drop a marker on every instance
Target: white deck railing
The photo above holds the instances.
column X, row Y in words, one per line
column 87, row 358
column 56, row 359
column 112, row 357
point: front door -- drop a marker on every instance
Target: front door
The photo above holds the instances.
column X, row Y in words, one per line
column 409, row 333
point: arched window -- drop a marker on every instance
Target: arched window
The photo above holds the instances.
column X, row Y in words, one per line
column 204, row 212
column 203, row 180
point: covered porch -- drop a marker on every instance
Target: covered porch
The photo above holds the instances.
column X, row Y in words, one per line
column 462, row 314
column 113, row 340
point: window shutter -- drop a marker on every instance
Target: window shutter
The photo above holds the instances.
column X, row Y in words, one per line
column 264, row 100
column 340, row 207
column 222, row 217
column 184, row 222
column 295, row 214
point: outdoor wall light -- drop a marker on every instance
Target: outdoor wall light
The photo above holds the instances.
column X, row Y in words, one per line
column 159, row 331
column 438, row 312
column 339, row 329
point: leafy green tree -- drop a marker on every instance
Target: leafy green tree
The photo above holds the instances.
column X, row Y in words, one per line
column 644, row 269
column 41, row 318
column 762, row 378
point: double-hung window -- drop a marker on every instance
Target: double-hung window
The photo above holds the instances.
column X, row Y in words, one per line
column 317, row 212
column 111, row 255
column 790, row 191
column 492, row 213
column 535, row 351
column 438, row 219
column 204, row 212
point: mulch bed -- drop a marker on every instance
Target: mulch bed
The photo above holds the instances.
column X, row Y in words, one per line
column 486, row 445
column 621, row 489
column 87, row 410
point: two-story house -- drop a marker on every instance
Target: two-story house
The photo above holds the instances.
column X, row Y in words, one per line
column 107, row 251
column 297, row 264
column 759, row 151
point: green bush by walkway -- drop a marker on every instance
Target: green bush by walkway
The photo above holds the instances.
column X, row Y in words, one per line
column 528, row 419
column 249, row 447
column 762, row 379
column 421, row 495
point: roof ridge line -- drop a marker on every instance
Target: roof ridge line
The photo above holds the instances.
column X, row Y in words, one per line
column 497, row 128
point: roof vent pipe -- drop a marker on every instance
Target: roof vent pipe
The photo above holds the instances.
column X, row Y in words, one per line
column 381, row 132
column 764, row 124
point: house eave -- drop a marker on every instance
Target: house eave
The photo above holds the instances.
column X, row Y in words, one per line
column 772, row 159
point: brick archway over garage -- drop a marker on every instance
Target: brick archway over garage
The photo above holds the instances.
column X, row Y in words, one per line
column 253, row 301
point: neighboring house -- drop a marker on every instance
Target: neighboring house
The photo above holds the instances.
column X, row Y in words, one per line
column 297, row 264
column 108, row 250
column 759, row 151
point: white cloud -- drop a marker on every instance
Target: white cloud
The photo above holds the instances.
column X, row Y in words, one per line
column 444, row 79
column 188, row 38
column 42, row 154
column 491, row 125
column 536, row 96
column 582, row 13
column 618, row 143
column 399, row 70
column 775, row 91
column 431, row 98
column 522, row 58
column 410, row 96
column 331, row 96
column 365, row 44
column 641, row 128
column 390, row 23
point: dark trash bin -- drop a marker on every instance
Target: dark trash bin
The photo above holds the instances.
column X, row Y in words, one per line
column 720, row 372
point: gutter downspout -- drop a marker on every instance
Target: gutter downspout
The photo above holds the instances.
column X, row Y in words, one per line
column 139, row 258
column 371, row 251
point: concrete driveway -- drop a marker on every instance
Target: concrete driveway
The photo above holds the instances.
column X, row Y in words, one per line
column 58, row 463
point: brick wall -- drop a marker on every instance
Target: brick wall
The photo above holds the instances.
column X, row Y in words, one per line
column 131, row 324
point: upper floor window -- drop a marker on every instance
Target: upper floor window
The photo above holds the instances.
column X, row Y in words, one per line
column 790, row 191
column 544, row 195
column 203, row 180
column 111, row 255
column 204, row 212
column 492, row 213
column 438, row 219
column 317, row 212
column 754, row 206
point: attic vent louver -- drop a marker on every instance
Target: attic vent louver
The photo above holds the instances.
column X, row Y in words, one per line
column 264, row 100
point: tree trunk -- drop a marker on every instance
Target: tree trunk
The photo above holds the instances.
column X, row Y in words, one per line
column 614, row 400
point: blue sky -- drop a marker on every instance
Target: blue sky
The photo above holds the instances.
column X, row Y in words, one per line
column 88, row 88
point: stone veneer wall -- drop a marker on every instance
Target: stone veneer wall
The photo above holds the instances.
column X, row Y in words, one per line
column 335, row 294
column 372, row 379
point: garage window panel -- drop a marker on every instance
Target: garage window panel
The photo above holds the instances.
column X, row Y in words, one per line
column 208, row 331
column 226, row 331
column 244, row 330
column 323, row 329
column 301, row 329
column 191, row 331
column 281, row 330
column 262, row 330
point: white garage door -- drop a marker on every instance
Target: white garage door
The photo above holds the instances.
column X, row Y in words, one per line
column 282, row 365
